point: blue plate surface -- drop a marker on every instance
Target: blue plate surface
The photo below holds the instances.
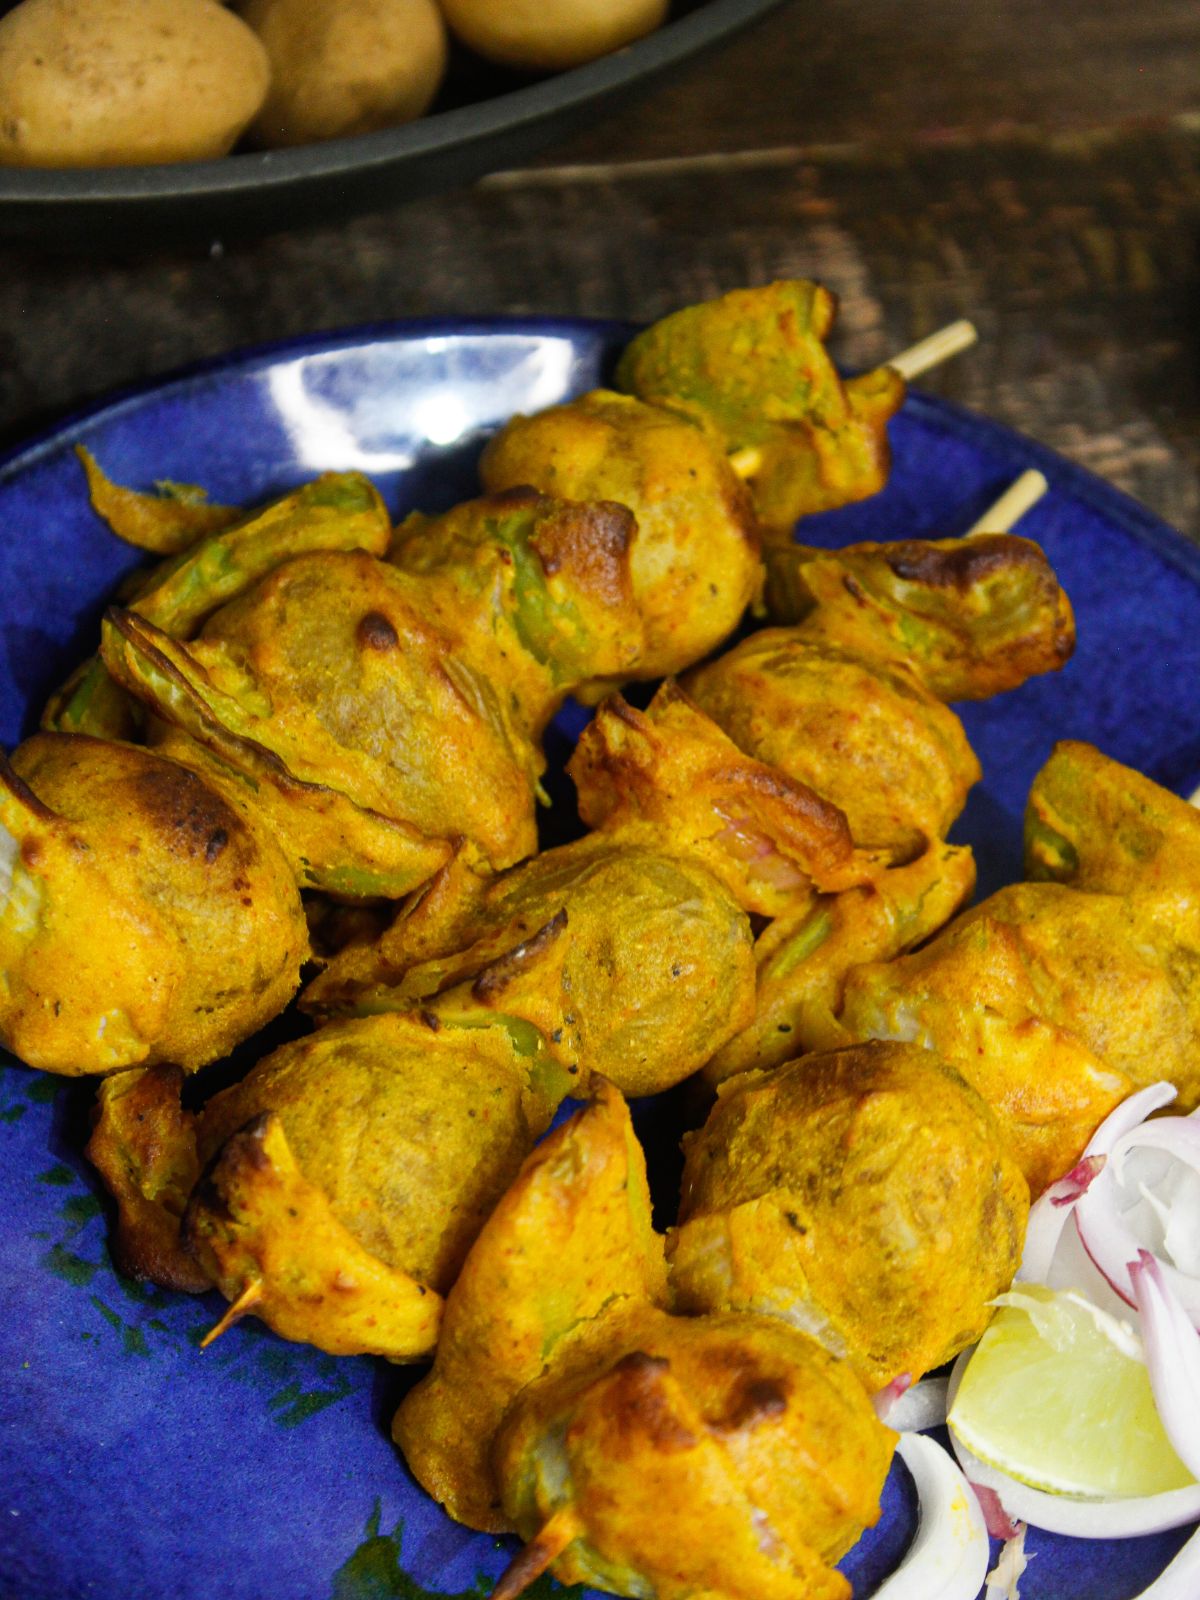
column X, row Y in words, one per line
column 132, row 1465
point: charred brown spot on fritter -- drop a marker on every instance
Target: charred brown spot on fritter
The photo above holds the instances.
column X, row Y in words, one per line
column 375, row 632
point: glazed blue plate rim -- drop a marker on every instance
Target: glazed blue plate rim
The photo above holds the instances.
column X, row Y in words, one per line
column 1075, row 480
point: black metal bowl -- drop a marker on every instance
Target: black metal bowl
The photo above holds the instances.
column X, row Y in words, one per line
column 484, row 119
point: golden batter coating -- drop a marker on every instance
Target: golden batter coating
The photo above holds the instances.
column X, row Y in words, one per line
column 143, row 918
column 669, row 775
column 570, row 1242
column 863, row 731
column 866, row 1196
column 1054, row 1003
column 600, row 957
column 752, row 368
column 694, row 561
column 757, row 1450
column 972, row 617
column 803, row 958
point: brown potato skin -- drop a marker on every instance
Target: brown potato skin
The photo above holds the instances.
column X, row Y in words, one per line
column 343, row 67
column 551, row 35
column 101, row 83
column 866, row 1195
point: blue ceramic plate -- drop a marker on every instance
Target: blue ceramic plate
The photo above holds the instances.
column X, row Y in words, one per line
column 132, row 1465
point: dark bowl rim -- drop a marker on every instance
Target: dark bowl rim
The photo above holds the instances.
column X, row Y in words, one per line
column 270, row 170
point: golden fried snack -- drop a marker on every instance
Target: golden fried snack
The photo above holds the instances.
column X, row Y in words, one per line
column 804, row 957
column 164, row 523
column 1099, row 826
column 545, row 583
column 695, row 564
column 1053, row 1003
column 753, row 370
column 224, row 555
column 143, row 1145
column 355, row 694
column 569, row 1243
column 670, row 774
column 143, row 919
column 972, row 617
column 720, row 1455
column 866, row 1195
column 863, row 731
column 349, row 1173
column 597, row 956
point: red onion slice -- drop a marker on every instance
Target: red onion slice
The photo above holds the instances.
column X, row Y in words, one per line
column 948, row 1559
column 920, row 1407
column 1049, row 1214
column 1172, row 1357
column 1104, row 1221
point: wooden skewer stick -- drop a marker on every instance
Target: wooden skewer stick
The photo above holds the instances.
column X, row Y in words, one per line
column 1012, row 505
column 249, row 1297
column 918, row 358
column 931, row 352
column 545, row 1547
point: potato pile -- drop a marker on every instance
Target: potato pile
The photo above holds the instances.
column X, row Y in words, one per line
column 100, row 83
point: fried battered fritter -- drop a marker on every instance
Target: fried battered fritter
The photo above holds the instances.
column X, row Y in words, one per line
column 143, row 918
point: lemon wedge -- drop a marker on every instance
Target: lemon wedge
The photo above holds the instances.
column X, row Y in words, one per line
column 1057, row 1395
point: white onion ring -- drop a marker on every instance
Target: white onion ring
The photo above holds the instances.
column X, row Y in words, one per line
column 1049, row 1214
column 948, row 1558
column 921, row 1407
column 1172, row 1357
column 1107, row 1236
column 1066, row 1514
column 1180, row 1580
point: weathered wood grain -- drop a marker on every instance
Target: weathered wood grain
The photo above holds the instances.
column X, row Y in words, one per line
column 928, row 162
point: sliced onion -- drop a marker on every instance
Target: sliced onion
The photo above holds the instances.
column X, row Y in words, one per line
column 999, row 1524
column 1083, row 1519
column 1104, row 1226
column 1181, row 1579
column 1069, row 1514
column 948, row 1559
column 887, row 1399
column 1050, row 1213
column 1172, row 1357
column 923, row 1406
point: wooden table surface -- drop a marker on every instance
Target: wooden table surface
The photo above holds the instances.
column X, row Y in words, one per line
column 1034, row 167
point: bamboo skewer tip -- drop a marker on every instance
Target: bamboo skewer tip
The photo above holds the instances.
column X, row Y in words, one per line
column 932, row 351
column 1020, row 496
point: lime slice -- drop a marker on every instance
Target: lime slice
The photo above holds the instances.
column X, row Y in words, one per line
column 1057, row 1395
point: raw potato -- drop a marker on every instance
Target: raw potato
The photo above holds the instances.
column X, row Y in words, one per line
column 341, row 67
column 102, row 83
column 548, row 35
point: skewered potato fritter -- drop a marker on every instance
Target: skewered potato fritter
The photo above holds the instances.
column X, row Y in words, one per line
column 371, row 681
column 866, row 1195
column 1056, row 999
column 753, row 370
column 628, row 952
column 565, row 1402
column 143, row 919
column 695, row 560
column 340, row 1184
